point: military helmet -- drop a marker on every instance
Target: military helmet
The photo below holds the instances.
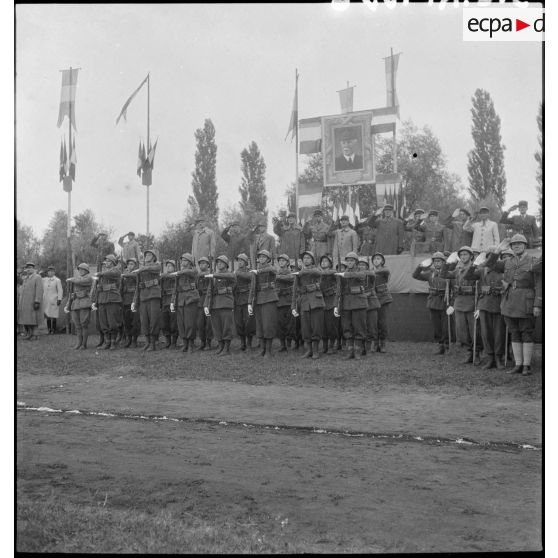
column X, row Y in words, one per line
column 381, row 256
column 309, row 253
column 265, row 253
column 518, row 238
column 131, row 260
column 83, row 266
column 438, row 256
column 351, row 255
column 29, row 264
column 466, row 249
column 328, row 257
column 364, row 260
column 170, row 262
column 388, row 206
column 283, row 257
column 244, row 258
column 188, row 257
column 111, row 258
column 223, row 259
column 418, row 210
column 506, row 252
column 152, row 251
column 203, row 259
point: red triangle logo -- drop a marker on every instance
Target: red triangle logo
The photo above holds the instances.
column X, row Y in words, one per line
column 519, row 25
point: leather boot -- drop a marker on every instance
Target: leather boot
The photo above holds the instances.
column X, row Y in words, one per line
column 79, row 340
column 476, row 359
column 221, row 346
column 208, row 346
column 469, row 359
column 326, row 345
column 135, row 341
column 297, row 343
column 268, row 343
column 517, row 369
column 526, row 370
column 490, row 363
column 368, row 345
column 128, row 342
column 147, row 342
column 263, row 346
column 242, row 342
column 283, row 345
column 84, row 336
column 191, row 346
column 289, row 343
column 185, row 345
column 499, row 362
column 152, row 345
column 249, row 342
column 113, row 345
column 351, row 349
column 226, row 348
column 53, row 322
column 108, row 342
column 174, row 339
column 376, row 345
column 363, row 351
column 118, row 337
column 168, row 341
column 441, row 350
column 359, row 349
column 332, row 347
column 308, row 352
column 101, row 340
column 315, row 352
column 203, row 344
column 382, row 346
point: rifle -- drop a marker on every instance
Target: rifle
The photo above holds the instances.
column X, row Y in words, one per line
column 447, row 300
column 475, row 325
column 506, row 347
column 68, row 307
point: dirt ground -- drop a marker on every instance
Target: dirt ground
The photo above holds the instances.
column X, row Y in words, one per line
column 317, row 492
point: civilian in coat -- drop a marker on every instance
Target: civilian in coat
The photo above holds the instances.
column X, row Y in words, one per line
column 30, row 302
column 390, row 234
column 345, row 240
column 52, row 297
column 203, row 242
column 522, row 224
column 485, row 232
column 130, row 249
column 291, row 238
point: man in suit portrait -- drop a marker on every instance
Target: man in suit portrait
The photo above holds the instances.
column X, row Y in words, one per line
column 349, row 159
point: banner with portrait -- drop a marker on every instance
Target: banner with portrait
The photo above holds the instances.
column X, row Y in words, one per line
column 348, row 154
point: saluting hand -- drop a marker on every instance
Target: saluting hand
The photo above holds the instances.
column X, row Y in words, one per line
column 172, row 308
column 206, row 311
column 250, row 310
column 294, row 313
column 450, row 310
column 133, row 307
column 94, row 307
column 336, row 312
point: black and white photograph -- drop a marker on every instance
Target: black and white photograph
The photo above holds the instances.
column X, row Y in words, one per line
column 279, row 277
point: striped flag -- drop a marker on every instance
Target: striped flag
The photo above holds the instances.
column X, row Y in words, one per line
column 130, row 99
column 66, row 162
column 391, row 63
column 346, row 99
column 309, row 199
column 310, row 135
column 384, row 119
column 62, row 166
column 294, row 113
column 151, row 154
column 141, row 158
column 73, row 160
column 68, row 97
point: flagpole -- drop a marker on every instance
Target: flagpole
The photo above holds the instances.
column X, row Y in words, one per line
column 296, row 146
column 394, row 146
column 69, row 270
column 147, row 187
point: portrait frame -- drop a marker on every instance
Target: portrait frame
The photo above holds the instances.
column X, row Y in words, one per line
column 359, row 127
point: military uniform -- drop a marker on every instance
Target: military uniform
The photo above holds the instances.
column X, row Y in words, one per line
column 186, row 301
column 458, row 237
column 292, row 240
column 263, row 241
column 522, row 224
column 389, row 235
column 220, row 301
column 205, row 331
column 236, row 244
column 385, row 299
column 372, row 310
column 308, row 301
column 168, row 319
column 317, row 237
column 415, row 234
column 263, row 299
column 245, row 324
column 328, row 286
column 80, row 306
column 437, row 301
column 433, row 237
column 131, row 320
column 148, row 295
column 286, row 324
column 109, row 303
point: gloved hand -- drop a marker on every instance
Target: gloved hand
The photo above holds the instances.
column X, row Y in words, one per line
column 172, row 308
column 426, row 263
column 58, row 302
column 36, row 305
column 206, row 311
column 450, row 310
column 341, row 274
column 456, row 213
column 254, row 271
column 537, row 311
column 132, row 308
column 336, row 312
column 66, row 310
column 94, row 307
column 476, row 314
column 250, row 310
column 452, row 258
column 294, row 313
column 513, row 208
column 209, row 276
column 69, row 280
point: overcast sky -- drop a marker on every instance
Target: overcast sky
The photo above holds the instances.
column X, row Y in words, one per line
column 235, row 64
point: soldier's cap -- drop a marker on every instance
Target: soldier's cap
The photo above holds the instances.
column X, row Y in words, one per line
column 484, row 209
column 344, row 218
column 379, row 254
column 318, row 212
column 506, row 252
column 309, row 253
column 152, row 251
column 516, row 238
column 84, row 266
column 348, row 134
column 170, row 262
column 364, row 261
column 283, row 257
column 131, row 260
column 523, row 203
column 327, row 257
column 418, row 211
column 291, row 214
column 29, row 264
column 111, row 258
column 51, row 267
column 351, row 256
column 265, row 253
column 438, row 256
column 466, row 211
column 223, row 259
column 203, row 259
column 387, row 206
column 244, row 258
column 465, row 249
column 188, row 257
column 433, row 212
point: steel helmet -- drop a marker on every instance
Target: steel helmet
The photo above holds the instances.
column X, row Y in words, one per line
column 244, row 258
column 203, row 259
column 111, row 258
column 283, row 257
column 83, row 266
column 518, row 238
column 223, row 259
column 265, row 253
column 152, row 251
column 364, row 260
column 311, row 254
column 188, row 257
column 438, row 256
column 381, row 256
column 465, row 249
column 351, row 255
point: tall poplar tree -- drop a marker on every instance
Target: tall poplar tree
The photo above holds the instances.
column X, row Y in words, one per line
column 539, row 157
column 252, row 185
column 486, row 160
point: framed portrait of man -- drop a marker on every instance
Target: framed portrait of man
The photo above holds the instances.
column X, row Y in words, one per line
column 347, row 149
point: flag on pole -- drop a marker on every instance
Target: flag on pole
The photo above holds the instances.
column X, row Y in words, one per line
column 130, row 99
column 151, row 155
column 68, row 97
column 346, row 99
column 309, row 199
column 66, row 162
column 294, row 113
column 62, row 167
column 73, row 160
column 141, row 158
column 384, row 120
column 391, row 63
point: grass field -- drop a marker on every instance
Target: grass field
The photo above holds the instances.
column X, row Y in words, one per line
column 247, row 466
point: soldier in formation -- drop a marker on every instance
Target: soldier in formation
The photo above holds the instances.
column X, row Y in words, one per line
column 286, row 324
column 168, row 315
column 79, row 303
column 130, row 320
column 244, row 322
column 186, row 301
